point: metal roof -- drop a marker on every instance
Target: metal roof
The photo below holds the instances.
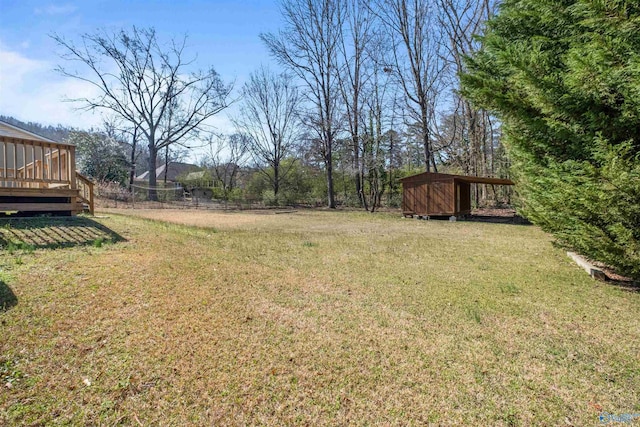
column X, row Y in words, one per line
column 433, row 176
column 484, row 180
column 175, row 169
column 10, row 131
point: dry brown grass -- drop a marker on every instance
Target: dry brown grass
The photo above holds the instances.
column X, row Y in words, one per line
column 257, row 219
column 313, row 318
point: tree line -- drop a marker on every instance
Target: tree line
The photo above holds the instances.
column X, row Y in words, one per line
column 367, row 89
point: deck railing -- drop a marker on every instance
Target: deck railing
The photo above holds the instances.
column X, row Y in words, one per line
column 85, row 187
column 36, row 164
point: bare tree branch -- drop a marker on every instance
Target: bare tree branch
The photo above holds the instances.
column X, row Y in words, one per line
column 308, row 46
column 270, row 120
column 146, row 84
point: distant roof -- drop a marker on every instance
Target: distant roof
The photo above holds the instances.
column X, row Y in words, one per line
column 10, row 131
column 174, row 170
column 195, row 175
column 433, row 176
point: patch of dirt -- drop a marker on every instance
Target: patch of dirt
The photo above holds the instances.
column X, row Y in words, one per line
column 495, row 212
column 619, row 279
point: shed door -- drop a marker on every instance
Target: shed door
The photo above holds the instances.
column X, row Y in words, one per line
column 408, row 196
column 414, row 198
column 411, row 197
column 440, row 198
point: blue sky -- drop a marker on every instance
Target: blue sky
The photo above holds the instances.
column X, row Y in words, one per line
column 223, row 34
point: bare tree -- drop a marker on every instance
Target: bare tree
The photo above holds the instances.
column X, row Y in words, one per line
column 357, row 33
column 377, row 102
column 366, row 89
column 461, row 21
column 270, row 121
column 308, row 46
column 469, row 130
column 416, row 59
column 227, row 154
column 147, row 84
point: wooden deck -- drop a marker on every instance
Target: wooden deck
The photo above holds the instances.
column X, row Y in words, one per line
column 38, row 176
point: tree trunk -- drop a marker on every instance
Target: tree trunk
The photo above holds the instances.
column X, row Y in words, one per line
column 425, row 140
column 391, row 169
column 132, row 172
column 356, row 164
column 329, row 165
column 153, row 153
column 361, row 174
column 276, row 182
column 166, row 164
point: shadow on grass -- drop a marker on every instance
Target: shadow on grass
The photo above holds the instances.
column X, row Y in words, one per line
column 627, row 285
column 496, row 219
column 7, row 298
column 493, row 219
column 54, row 232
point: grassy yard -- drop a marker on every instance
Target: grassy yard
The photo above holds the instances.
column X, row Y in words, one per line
column 306, row 318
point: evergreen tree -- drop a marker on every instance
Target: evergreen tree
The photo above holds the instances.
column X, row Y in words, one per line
column 564, row 77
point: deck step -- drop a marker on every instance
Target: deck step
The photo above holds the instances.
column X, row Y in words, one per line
column 40, row 207
column 38, row 192
column 34, row 201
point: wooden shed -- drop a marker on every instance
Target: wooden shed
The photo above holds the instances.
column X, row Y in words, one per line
column 441, row 194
